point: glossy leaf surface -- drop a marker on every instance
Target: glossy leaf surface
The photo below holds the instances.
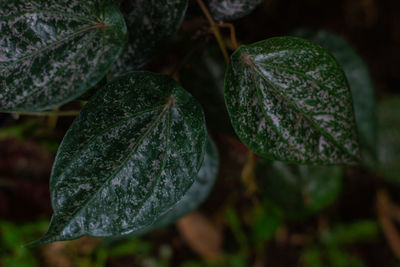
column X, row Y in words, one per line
column 53, row 51
column 360, row 86
column 389, row 139
column 197, row 193
column 130, row 155
column 289, row 100
column 150, row 24
column 231, row 9
column 299, row 190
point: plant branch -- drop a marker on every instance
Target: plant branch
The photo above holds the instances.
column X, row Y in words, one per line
column 215, row 30
column 232, row 30
column 383, row 205
column 248, row 174
column 67, row 113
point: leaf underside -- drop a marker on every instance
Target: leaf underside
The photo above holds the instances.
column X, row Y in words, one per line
column 53, row 51
column 130, row 155
column 231, row 9
column 150, row 24
column 289, row 100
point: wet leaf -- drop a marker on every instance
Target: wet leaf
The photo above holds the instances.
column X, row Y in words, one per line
column 150, row 24
column 360, row 86
column 53, row 51
column 299, row 190
column 197, row 193
column 231, row 9
column 131, row 154
column 289, row 100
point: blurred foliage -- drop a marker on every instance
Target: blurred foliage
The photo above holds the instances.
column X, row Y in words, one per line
column 389, row 140
column 299, row 190
column 332, row 249
column 12, row 236
column 34, row 130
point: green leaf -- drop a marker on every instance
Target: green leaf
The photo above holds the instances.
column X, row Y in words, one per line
column 150, row 24
column 130, row 155
column 299, row 190
column 204, row 79
column 92, row 91
column 389, row 139
column 265, row 222
column 361, row 86
column 361, row 231
column 197, row 193
column 53, row 51
column 231, row 9
column 336, row 257
column 289, row 100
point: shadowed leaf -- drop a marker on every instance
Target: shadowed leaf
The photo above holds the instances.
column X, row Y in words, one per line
column 150, row 24
column 231, row 9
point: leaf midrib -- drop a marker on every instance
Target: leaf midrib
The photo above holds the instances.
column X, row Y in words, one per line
column 288, row 69
column 41, row 89
column 46, row 12
column 259, row 95
column 148, row 130
column 48, row 47
column 168, row 137
column 305, row 76
column 294, row 106
column 115, row 124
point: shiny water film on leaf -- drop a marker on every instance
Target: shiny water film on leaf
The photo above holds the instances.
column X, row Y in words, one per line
column 289, row 100
column 53, row 51
column 197, row 193
column 130, row 155
column 361, row 86
column 299, row 190
column 231, row 9
column 150, row 24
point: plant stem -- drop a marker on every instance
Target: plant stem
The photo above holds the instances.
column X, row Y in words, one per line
column 232, row 31
column 52, row 120
column 215, row 30
column 248, row 174
column 383, row 206
column 68, row 113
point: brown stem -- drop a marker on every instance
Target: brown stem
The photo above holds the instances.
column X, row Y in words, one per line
column 383, row 208
column 232, row 30
column 215, row 30
column 68, row 113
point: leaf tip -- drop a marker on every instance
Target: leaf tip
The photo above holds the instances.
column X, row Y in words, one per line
column 46, row 239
